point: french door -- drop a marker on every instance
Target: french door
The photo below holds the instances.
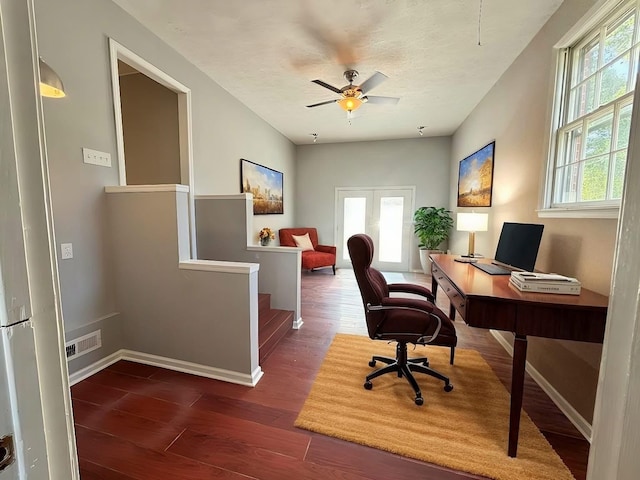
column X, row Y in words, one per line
column 385, row 214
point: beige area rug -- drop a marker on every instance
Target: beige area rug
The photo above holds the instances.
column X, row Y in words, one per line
column 466, row 429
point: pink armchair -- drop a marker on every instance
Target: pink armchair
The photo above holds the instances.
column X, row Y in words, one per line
column 320, row 257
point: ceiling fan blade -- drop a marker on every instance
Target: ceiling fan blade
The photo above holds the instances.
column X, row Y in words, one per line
column 372, row 82
column 326, row 85
column 382, row 100
column 322, row 103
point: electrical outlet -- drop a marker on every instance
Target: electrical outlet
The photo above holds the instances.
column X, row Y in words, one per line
column 66, row 249
column 95, row 157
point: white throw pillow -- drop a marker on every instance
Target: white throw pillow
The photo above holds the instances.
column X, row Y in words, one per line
column 303, row 241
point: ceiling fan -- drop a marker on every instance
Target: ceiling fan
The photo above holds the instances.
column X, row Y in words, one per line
column 353, row 96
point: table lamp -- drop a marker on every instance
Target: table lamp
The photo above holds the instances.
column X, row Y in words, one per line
column 472, row 223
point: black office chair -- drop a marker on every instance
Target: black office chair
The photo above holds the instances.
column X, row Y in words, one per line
column 403, row 320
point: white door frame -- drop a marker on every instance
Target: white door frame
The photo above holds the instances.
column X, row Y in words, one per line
column 120, row 52
column 336, row 216
column 40, row 396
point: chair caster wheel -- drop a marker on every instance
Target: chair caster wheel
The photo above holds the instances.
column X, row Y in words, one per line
column 419, row 401
column 448, row 387
column 372, row 363
column 368, row 385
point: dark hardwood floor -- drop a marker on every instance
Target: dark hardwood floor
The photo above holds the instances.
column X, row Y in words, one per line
column 141, row 422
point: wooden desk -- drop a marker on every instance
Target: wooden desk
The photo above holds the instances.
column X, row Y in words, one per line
column 488, row 301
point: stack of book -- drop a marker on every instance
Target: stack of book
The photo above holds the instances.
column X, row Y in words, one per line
column 545, row 283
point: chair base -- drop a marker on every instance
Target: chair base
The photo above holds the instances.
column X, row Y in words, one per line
column 404, row 367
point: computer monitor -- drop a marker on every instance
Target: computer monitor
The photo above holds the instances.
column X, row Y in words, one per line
column 518, row 245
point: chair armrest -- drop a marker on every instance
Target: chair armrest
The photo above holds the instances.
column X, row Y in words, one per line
column 412, row 316
column 412, row 288
column 326, row 249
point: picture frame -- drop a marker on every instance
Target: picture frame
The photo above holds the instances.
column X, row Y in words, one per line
column 266, row 185
column 475, row 178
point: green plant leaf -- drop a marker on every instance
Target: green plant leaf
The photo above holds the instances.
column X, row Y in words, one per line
column 432, row 226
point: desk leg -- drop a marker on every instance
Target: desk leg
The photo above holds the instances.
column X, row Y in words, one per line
column 434, row 286
column 517, row 388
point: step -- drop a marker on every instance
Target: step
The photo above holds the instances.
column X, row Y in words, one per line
column 264, row 302
column 273, row 331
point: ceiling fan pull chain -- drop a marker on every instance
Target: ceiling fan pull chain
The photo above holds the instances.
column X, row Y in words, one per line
column 479, row 23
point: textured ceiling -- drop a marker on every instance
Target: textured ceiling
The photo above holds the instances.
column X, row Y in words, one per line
column 266, row 52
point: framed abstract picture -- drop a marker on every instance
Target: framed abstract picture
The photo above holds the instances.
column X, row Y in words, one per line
column 475, row 178
column 265, row 184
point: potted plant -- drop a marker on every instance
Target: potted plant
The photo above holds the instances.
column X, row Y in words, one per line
column 432, row 226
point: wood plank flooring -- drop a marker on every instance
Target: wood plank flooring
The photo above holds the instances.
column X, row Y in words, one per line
column 140, row 422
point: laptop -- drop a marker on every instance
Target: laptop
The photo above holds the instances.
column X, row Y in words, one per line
column 517, row 249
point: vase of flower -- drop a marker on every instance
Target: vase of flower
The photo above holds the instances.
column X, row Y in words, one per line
column 265, row 236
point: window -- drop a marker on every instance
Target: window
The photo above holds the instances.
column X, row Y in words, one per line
column 597, row 77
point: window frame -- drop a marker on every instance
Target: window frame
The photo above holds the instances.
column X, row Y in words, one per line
column 583, row 33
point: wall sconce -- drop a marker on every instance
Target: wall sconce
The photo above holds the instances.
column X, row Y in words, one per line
column 50, row 83
column 472, row 223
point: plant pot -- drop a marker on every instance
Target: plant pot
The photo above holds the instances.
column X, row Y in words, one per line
column 265, row 241
column 425, row 261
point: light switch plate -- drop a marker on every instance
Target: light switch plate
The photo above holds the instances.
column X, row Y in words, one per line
column 94, row 157
column 66, row 250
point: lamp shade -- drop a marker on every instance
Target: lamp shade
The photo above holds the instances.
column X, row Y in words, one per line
column 350, row 103
column 50, row 83
column 472, row 222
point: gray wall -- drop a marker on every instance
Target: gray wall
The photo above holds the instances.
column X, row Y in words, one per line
column 73, row 39
column 202, row 317
column 516, row 113
column 224, row 228
column 150, row 131
column 423, row 162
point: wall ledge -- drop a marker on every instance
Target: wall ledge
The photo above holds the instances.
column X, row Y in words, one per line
column 219, row 266
column 146, row 188
column 277, row 249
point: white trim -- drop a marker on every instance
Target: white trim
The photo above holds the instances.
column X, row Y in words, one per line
column 94, row 368
column 589, row 21
column 558, row 212
column 239, row 196
column 297, row 324
column 219, row 266
column 170, row 364
column 571, row 413
column 169, row 187
column 277, row 249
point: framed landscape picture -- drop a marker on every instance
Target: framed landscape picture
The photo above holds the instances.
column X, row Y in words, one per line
column 265, row 184
column 475, row 178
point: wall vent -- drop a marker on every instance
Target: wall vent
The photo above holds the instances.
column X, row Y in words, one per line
column 85, row 344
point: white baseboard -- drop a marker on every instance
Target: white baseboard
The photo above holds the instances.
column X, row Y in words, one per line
column 170, row 364
column 94, row 368
column 297, row 324
column 571, row 413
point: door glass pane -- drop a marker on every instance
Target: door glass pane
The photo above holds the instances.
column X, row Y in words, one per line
column 390, row 248
column 355, row 210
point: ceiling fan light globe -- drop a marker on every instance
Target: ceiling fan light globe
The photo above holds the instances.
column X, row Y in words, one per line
column 350, row 104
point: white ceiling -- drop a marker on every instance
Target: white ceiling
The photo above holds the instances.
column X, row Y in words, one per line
column 266, row 52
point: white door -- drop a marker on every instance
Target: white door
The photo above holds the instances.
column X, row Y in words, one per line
column 24, row 302
column 8, row 467
column 385, row 214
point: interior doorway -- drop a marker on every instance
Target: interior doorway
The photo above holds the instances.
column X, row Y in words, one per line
column 383, row 213
column 177, row 101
